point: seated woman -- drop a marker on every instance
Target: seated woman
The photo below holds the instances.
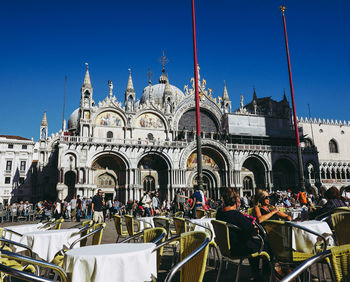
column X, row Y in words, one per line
column 264, row 211
column 333, row 201
column 242, row 243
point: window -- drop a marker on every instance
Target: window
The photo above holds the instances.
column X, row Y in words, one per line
column 24, row 147
column 8, row 165
column 10, row 146
column 109, row 136
column 23, row 166
column 21, row 180
column 333, row 146
column 7, row 180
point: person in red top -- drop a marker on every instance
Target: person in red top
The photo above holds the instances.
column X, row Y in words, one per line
column 302, row 198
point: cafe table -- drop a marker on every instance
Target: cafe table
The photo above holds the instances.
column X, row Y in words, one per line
column 134, row 262
column 303, row 241
column 206, row 222
column 46, row 243
column 21, row 229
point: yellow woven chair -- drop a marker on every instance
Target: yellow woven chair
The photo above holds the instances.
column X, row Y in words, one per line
column 180, row 225
column 200, row 213
column 212, row 213
column 279, row 234
column 339, row 258
column 341, row 227
column 250, row 211
column 56, row 225
column 118, row 223
column 96, row 231
column 164, row 223
column 179, row 214
column 193, row 256
column 222, row 239
column 129, row 221
column 33, row 266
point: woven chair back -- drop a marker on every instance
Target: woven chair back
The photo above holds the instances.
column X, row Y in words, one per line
column 341, row 226
column 193, row 270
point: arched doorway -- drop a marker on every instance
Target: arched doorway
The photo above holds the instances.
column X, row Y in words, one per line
column 214, row 165
column 110, row 176
column 247, row 185
column 254, row 168
column 154, row 174
column 284, row 175
column 70, row 180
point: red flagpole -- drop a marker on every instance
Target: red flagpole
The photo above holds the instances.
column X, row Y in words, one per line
column 300, row 160
column 198, row 123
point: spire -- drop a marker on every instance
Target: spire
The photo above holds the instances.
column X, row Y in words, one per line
column 167, row 89
column 87, row 80
column 284, row 94
column 164, row 61
column 225, row 93
column 130, row 85
column 254, row 95
column 44, row 120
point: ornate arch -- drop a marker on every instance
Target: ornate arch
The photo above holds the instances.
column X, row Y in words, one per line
column 218, row 147
column 120, row 155
column 262, row 159
column 162, row 155
column 189, row 104
column 155, row 112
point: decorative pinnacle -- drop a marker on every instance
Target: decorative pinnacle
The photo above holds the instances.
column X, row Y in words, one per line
column 163, row 61
column 87, row 66
column 283, row 8
column 149, row 74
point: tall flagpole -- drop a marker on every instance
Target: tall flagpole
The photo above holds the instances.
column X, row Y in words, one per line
column 64, row 100
column 198, row 123
column 300, row 159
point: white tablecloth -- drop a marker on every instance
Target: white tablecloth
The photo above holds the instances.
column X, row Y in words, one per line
column 23, row 228
column 303, row 241
column 205, row 222
column 132, row 262
column 148, row 219
column 294, row 213
column 47, row 243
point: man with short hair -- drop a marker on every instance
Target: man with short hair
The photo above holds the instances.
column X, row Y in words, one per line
column 97, row 207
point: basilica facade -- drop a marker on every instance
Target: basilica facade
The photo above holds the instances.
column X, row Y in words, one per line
column 129, row 147
column 132, row 146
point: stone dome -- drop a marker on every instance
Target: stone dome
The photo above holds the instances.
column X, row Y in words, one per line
column 158, row 91
column 73, row 120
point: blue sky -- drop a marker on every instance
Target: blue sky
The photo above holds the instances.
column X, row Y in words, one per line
column 238, row 41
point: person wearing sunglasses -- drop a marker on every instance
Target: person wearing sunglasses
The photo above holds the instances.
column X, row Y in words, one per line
column 263, row 210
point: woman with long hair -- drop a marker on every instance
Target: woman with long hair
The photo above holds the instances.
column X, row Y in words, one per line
column 264, row 211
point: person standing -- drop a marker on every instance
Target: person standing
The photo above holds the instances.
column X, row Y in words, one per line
column 198, row 201
column 78, row 207
column 156, row 204
column 97, row 207
column 146, row 203
column 73, row 203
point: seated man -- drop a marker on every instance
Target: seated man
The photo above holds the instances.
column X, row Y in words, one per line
column 242, row 242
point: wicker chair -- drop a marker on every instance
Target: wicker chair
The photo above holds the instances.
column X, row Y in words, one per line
column 118, row 223
column 179, row 214
column 193, row 256
column 180, row 225
column 200, row 213
column 96, row 231
column 129, row 221
column 26, row 268
column 279, row 234
column 222, row 239
column 341, row 227
column 339, row 258
column 164, row 223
